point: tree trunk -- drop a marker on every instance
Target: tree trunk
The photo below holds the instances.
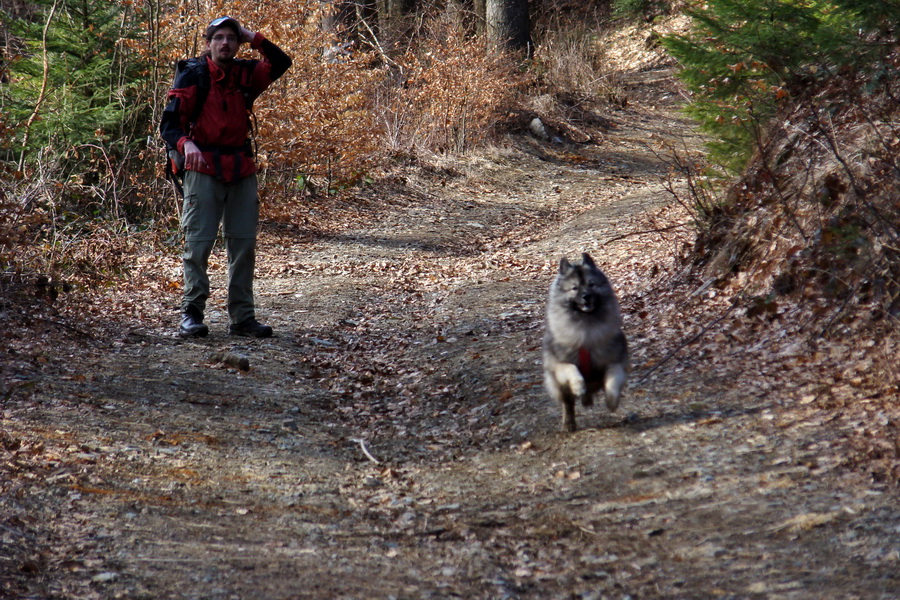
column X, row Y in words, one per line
column 508, row 25
column 339, row 21
column 394, row 19
column 338, row 18
column 480, row 15
column 350, row 23
column 392, row 9
column 463, row 12
column 367, row 12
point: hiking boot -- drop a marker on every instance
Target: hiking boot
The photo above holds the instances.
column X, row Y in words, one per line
column 250, row 328
column 192, row 324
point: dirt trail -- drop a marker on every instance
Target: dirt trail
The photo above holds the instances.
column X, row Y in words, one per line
column 394, row 441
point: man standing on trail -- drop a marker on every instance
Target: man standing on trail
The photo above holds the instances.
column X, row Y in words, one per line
column 207, row 120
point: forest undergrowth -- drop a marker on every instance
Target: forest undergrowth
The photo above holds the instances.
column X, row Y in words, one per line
column 769, row 304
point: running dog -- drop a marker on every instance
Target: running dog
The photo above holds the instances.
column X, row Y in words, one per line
column 584, row 345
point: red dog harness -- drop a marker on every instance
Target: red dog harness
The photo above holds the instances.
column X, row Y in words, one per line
column 584, row 362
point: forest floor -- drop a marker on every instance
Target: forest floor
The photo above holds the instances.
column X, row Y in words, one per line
column 393, row 439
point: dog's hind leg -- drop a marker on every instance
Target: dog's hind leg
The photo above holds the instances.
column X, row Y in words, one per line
column 587, row 398
column 613, row 384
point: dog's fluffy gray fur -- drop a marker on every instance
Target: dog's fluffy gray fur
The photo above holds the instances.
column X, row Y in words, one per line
column 584, row 346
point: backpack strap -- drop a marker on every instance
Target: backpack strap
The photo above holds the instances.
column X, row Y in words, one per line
column 245, row 80
column 245, row 83
column 196, row 71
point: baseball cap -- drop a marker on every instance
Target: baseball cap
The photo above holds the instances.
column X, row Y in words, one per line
column 216, row 23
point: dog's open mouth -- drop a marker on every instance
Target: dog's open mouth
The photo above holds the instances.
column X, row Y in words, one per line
column 587, row 304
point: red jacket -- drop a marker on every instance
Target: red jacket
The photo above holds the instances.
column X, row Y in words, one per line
column 221, row 129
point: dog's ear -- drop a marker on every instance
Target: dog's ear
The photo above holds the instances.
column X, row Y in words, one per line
column 587, row 261
column 564, row 266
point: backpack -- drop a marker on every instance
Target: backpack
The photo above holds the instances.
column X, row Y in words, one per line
column 200, row 73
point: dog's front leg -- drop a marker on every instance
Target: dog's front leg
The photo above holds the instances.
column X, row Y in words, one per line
column 567, row 386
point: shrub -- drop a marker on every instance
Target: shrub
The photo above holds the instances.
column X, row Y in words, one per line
column 744, row 58
column 453, row 90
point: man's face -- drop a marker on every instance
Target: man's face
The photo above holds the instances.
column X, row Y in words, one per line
column 223, row 45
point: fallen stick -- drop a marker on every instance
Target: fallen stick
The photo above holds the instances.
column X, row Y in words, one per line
column 362, row 446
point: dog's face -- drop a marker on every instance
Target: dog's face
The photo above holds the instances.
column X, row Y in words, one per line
column 583, row 286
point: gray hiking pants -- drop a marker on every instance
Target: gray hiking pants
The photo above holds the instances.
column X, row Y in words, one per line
column 207, row 202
